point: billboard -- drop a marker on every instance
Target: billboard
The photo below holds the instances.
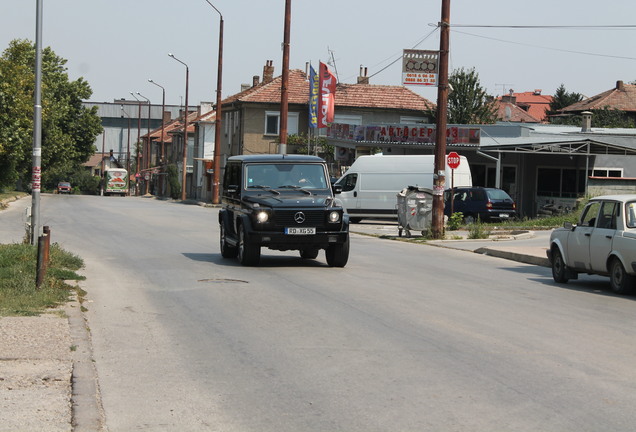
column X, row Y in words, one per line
column 420, row 67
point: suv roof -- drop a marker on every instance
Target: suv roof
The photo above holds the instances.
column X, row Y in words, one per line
column 275, row 158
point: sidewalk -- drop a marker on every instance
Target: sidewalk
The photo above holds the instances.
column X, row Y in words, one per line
column 521, row 245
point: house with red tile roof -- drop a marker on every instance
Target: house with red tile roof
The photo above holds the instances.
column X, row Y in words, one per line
column 251, row 117
column 510, row 112
column 622, row 97
column 534, row 103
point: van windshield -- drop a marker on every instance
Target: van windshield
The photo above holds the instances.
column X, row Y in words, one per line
column 285, row 176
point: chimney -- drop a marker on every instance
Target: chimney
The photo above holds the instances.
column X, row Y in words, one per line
column 537, row 92
column 510, row 98
column 256, row 80
column 587, row 121
column 245, row 86
column 620, row 86
column 363, row 78
column 167, row 116
column 268, row 71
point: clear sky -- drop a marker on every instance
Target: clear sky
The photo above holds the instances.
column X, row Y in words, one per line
column 117, row 45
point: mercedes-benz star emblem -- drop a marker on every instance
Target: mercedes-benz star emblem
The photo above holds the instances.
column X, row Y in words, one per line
column 299, row 217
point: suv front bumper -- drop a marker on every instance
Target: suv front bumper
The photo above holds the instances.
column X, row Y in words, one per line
column 280, row 241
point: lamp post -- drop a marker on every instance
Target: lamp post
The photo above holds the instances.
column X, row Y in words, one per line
column 127, row 151
column 148, row 148
column 185, row 129
column 217, row 123
column 163, row 110
column 138, row 138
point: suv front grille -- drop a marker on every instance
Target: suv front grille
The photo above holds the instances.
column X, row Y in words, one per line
column 286, row 218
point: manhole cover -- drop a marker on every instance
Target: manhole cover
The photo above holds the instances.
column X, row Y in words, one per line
column 222, row 280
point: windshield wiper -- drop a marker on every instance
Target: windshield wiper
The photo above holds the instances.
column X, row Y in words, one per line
column 264, row 187
column 295, row 187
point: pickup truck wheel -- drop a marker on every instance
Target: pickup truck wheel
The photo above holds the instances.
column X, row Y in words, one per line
column 620, row 281
column 338, row 254
column 248, row 255
column 309, row 253
column 227, row 251
column 559, row 270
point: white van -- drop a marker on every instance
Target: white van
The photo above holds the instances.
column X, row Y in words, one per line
column 370, row 186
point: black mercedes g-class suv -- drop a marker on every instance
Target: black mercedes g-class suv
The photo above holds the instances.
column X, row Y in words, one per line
column 282, row 202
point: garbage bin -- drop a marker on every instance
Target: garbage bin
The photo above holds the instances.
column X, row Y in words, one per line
column 414, row 210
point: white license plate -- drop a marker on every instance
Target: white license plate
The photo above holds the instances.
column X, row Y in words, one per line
column 300, row 231
column 504, row 215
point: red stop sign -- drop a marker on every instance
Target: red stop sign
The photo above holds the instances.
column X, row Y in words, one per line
column 452, row 160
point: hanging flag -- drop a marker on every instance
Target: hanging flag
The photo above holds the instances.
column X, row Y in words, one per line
column 314, row 93
column 327, row 99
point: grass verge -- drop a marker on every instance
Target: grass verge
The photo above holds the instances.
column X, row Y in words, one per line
column 18, row 294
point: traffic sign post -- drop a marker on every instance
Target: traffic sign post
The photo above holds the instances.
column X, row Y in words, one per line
column 453, row 162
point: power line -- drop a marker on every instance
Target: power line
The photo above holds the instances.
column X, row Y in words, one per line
column 547, row 48
column 401, row 55
column 626, row 26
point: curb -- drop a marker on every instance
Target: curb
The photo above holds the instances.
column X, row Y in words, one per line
column 514, row 256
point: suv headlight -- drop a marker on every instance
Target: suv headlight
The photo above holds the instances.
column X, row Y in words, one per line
column 262, row 217
column 334, row 217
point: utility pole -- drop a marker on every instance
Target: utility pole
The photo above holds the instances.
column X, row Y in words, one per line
column 439, row 178
column 36, row 174
column 285, row 80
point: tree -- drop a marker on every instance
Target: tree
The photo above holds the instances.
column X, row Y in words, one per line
column 68, row 128
column 468, row 102
column 562, row 99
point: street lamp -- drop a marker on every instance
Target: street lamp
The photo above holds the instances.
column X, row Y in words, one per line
column 127, row 151
column 163, row 110
column 147, row 149
column 185, row 129
column 217, row 122
column 138, row 139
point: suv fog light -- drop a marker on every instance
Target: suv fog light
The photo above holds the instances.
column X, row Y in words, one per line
column 334, row 217
column 262, row 217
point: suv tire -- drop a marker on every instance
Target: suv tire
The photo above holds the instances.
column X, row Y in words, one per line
column 227, row 251
column 248, row 255
column 338, row 254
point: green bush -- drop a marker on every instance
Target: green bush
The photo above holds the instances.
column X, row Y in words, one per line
column 173, row 181
column 455, row 221
column 478, row 230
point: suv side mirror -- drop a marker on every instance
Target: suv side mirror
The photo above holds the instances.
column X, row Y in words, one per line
column 337, row 188
column 568, row 225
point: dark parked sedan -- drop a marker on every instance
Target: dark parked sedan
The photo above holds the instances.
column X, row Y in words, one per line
column 486, row 204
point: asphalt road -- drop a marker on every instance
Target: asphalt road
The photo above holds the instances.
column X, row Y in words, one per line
column 406, row 337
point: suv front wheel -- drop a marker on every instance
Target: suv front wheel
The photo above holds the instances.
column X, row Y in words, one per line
column 338, row 254
column 248, row 255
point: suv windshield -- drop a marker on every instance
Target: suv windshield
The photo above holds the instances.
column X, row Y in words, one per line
column 285, row 176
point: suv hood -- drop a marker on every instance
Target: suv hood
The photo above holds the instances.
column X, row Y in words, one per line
column 291, row 200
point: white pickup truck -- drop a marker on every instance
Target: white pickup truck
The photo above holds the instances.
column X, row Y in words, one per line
column 603, row 242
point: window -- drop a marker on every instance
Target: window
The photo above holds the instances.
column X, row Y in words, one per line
column 560, row 182
column 412, row 120
column 631, row 214
column 351, row 119
column 272, row 123
column 607, row 216
column 606, row 172
column 589, row 217
column 349, row 182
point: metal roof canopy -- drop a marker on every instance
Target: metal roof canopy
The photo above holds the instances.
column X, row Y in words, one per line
column 586, row 147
